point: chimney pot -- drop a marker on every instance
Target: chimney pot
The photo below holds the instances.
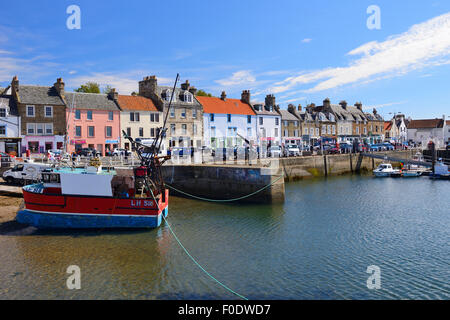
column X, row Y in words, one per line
column 223, row 96
column 245, row 96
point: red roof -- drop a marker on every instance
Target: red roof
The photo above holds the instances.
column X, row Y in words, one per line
column 387, row 125
column 426, row 124
column 136, row 103
column 227, row 106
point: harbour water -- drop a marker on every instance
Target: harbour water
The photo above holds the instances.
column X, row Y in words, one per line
column 317, row 245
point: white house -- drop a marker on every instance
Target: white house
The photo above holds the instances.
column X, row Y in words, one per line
column 10, row 140
column 268, row 122
column 228, row 122
column 447, row 132
column 424, row 131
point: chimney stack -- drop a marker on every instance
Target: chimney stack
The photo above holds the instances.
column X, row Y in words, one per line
column 148, row 86
column 59, row 86
column 358, row 105
column 270, row 101
column 223, row 96
column 245, row 96
column 15, row 84
column 186, row 85
column 193, row 90
column 343, row 104
column 374, row 111
column 291, row 108
column 326, row 103
column 299, row 108
column 113, row 94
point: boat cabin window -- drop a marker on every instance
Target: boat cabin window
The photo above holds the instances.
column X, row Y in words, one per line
column 18, row 168
column 51, row 178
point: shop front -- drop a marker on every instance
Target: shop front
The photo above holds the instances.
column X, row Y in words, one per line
column 42, row 144
column 11, row 146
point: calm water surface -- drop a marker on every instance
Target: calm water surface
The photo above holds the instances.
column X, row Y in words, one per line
column 317, row 245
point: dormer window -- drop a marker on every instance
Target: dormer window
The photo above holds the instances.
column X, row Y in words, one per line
column 168, row 95
column 187, row 97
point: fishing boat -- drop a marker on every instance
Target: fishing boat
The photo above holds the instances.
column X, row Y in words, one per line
column 411, row 173
column 90, row 197
column 440, row 171
column 385, row 170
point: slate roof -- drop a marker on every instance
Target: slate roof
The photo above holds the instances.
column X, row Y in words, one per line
column 39, row 95
column 136, row 103
column 426, row 124
column 8, row 101
column 286, row 115
column 90, row 101
column 179, row 95
column 227, row 106
column 263, row 111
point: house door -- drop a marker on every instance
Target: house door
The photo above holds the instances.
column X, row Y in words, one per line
column 48, row 146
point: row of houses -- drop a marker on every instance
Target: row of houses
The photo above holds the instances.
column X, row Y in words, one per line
column 42, row 118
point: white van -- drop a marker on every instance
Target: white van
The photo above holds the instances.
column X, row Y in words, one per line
column 23, row 172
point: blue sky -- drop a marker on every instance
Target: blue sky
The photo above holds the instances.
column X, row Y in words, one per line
column 300, row 51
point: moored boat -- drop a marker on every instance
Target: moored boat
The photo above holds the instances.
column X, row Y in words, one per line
column 385, row 170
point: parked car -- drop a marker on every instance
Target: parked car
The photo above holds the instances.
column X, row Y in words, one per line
column 23, row 172
column 388, row 146
column 333, row 149
column 345, row 147
column 88, row 152
column 121, row 152
column 274, row 152
column 291, row 150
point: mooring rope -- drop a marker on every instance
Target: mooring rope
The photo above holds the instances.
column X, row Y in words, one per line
column 192, row 258
column 226, row 200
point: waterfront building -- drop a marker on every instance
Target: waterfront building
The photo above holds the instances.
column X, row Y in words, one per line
column 340, row 117
column 290, row 126
column 426, row 130
column 140, row 119
column 268, row 126
column 42, row 112
column 396, row 129
column 375, row 127
column 185, row 120
column 309, row 126
column 93, row 121
column 10, row 140
column 447, row 132
column 227, row 122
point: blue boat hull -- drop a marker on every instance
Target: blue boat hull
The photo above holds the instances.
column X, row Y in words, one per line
column 49, row 220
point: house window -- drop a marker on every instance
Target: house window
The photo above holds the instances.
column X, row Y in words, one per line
column 90, row 131
column 184, row 128
column 89, row 115
column 172, row 112
column 129, row 132
column 109, row 131
column 324, row 129
column 39, row 128
column 317, row 132
column 134, row 116
column 194, row 113
column 232, row 131
column 306, row 131
column 249, row 119
column 78, row 131
column 152, row 132
column 30, row 111
column 229, row 117
column 110, row 116
column 194, row 129
column 172, row 128
column 276, row 132
column 77, row 114
column 277, row 121
column 154, row 117
column 168, row 94
column 311, row 131
column 187, row 97
column 334, row 129
column 249, row 132
column 329, row 129
column 141, row 132
column 183, row 113
column 261, row 121
column 211, row 117
column 285, row 123
column 48, row 111
column 2, row 130
column 2, row 112
column 49, row 128
column 213, row 131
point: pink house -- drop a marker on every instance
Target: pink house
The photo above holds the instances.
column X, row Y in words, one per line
column 94, row 121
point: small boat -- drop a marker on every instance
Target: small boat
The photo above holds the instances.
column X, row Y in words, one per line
column 385, row 170
column 440, row 171
column 411, row 173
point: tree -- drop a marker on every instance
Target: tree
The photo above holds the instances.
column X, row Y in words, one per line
column 202, row 93
column 107, row 89
column 89, row 87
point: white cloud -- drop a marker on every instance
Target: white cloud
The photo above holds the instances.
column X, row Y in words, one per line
column 239, row 78
column 424, row 45
column 72, row 72
column 306, row 40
